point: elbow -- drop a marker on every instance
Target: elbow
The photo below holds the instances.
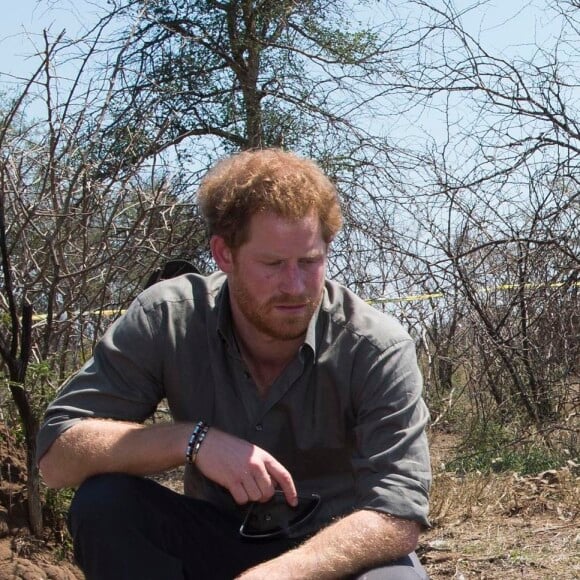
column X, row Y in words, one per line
column 50, row 472
column 409, row 536
column 412, row 542
column 403, row 536
column 52, row 469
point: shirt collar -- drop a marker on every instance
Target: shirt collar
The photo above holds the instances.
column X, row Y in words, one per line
column 314, row 327
column 225, row 328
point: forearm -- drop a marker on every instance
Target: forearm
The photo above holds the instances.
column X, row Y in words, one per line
column 364, row 539
column 95, row 446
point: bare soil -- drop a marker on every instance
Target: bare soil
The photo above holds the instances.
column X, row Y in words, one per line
column 502, row 525
column 484, row 526
column 21, row 555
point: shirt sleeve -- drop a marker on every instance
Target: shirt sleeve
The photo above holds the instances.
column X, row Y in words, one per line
column 391, row 461
column 121, row 381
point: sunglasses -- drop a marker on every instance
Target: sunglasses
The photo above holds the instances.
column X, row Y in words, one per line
column 276, row 518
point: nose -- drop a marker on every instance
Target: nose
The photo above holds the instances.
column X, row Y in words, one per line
column 292, row 281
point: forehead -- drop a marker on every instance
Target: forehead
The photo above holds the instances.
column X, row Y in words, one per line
column 276, row 224
column 268, row 231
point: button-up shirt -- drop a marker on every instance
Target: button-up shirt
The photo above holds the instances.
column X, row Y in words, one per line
column 346, row 416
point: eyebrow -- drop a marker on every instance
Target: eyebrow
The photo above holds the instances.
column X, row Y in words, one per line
column 271, row 256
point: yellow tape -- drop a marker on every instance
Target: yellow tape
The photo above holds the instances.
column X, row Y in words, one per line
column 413, row 298
column 105, row 313
column 435, row 295
column 381, row 300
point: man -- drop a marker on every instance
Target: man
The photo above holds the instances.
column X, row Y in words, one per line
column 282, row 386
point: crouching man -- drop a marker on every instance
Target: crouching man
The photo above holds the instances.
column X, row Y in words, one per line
column 296, row 406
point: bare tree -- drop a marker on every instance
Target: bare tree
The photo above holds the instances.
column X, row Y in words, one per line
column 497, row 207
column 75, row 249
column 244, row 73
column 469, row 235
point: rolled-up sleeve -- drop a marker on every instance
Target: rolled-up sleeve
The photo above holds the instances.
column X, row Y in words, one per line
column 121, row 381
column 391, row 462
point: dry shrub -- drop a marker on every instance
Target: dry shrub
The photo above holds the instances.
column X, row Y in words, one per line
column 457, row 498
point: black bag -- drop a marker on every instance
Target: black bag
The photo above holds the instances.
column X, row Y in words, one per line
column 170, row 270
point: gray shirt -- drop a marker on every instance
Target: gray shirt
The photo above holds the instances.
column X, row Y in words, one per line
column 346, row 416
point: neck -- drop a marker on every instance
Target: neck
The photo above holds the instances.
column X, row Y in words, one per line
column 270, row 352
column 265, row 356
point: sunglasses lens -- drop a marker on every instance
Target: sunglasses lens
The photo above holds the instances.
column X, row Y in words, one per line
column 276, row 517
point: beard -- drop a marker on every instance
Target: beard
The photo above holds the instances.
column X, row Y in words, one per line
column 265, row 318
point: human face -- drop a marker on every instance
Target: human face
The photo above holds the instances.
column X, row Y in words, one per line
column 276, row 277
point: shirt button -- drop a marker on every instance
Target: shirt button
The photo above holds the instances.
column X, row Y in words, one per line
column 259, row 427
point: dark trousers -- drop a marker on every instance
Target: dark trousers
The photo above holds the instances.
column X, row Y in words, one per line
column 127, row 527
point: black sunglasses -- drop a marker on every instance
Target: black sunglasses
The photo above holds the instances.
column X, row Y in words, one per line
column 276, row 518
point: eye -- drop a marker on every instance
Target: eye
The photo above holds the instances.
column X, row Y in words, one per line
column 309, row 261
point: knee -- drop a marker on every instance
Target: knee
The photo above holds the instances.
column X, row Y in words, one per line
column 106, row 499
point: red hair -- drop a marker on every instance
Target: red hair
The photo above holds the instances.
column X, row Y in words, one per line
column 266, row 180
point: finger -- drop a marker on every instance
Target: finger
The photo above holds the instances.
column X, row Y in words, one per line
column 238, row 492
column 265, row 484
column 252, row 489
column 282, row 477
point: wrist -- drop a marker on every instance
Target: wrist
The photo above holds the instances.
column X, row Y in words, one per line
column 195, row 441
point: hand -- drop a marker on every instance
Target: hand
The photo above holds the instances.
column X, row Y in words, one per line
column 248, row 472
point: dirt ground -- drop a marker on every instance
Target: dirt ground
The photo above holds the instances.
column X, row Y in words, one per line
column 22, row 556
column 501, row 526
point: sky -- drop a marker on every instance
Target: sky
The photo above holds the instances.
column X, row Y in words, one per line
column 507, row 26
column 504, row 23
column 21, row 27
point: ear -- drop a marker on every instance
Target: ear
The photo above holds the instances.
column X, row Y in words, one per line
column 222, row 254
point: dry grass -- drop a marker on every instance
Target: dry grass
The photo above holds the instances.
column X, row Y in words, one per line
column 499, row 526
column 504, row 526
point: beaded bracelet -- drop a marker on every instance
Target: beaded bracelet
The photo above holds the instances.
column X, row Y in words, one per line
column 197, row 436
column 198, row 442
